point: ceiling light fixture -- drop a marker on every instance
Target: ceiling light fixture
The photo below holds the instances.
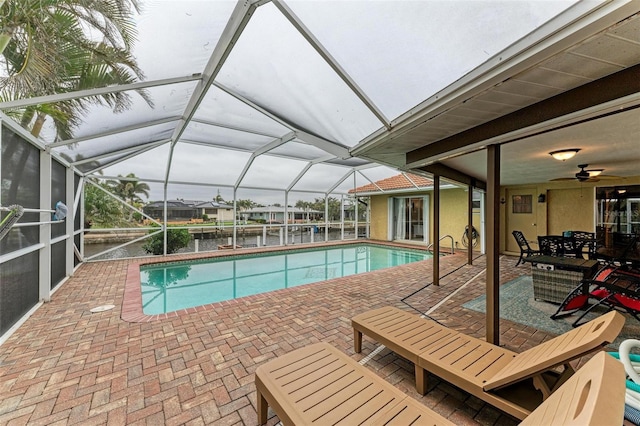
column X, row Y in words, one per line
column 594, row 172
column 564, row 154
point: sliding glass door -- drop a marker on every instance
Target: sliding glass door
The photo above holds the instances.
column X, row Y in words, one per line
column 409, row 218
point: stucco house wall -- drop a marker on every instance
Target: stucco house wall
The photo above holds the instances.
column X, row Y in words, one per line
column 453, row 217
column 568, row 205
column 379, row 217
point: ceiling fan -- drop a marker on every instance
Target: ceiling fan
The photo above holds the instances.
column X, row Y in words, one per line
column 588, row 175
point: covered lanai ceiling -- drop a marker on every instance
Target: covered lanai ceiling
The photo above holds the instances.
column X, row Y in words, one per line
column 303, row 95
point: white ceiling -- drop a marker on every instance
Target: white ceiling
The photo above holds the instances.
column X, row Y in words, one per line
column 611, row 143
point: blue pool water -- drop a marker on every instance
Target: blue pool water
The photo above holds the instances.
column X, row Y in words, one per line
column 171, row 286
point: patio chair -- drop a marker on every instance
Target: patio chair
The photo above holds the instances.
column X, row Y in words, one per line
column 551, row 245
column 320, row 385
column 525, row 248
column 512, row 382
column 585, row 243
column 613, row 288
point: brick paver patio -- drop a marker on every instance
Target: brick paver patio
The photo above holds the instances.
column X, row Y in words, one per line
column 66, row 365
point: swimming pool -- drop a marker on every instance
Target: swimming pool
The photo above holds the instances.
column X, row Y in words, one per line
column 169, row 287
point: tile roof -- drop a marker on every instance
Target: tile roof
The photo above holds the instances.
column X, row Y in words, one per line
column 398, row 182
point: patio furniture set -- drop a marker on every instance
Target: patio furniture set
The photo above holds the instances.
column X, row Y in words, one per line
column 319, row 384
column 573, row 269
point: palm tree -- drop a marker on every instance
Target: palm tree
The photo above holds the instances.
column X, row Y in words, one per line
column 129, row 188
column 45, row 49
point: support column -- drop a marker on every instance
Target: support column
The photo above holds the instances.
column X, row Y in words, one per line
column 164, row 220
column 286, row 218
column 69, row 254
column 45, row 218
column 341, row 217
column 81, row 207
column 355, row 208
column 493, row 245
column 470, row 226
column 235, row 216
column 326, row 217
column 436, row 229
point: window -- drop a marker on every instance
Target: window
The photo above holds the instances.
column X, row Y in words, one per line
column 522, row 203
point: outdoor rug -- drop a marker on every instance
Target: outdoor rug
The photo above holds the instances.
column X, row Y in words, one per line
column 518, row 305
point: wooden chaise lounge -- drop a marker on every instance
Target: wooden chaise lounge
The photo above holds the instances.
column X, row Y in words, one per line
column 515, row 383
column 319, row 385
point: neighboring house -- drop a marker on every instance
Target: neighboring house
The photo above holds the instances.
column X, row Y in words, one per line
column 401, row 208
column 184, row 210
column 220, row 212
column 275, row 214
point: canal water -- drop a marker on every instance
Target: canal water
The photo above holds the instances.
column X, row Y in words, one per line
column 208, row 244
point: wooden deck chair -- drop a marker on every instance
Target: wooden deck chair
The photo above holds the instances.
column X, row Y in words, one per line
column 594, row 395
column 515, row 383
column 319, row 385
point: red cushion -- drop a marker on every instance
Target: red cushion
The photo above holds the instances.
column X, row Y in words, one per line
column 600, row 293
column 604, row 274
column 575, row 303
column 628, row 302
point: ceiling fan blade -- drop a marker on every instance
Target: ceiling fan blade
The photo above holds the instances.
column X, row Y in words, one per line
column 609, row 177
column 562, row 179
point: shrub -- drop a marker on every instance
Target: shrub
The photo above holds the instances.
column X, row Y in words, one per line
column 205, row 217
column 176, row 239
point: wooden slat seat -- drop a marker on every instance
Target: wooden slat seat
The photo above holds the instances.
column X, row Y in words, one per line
column 320, row 385
column 515, row 383
column 593, row 396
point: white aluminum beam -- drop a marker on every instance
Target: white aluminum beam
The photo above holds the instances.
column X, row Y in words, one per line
column 114, row 131
column 70, row 222
column 370, row 181
column 333, row 63
column 275, row 143
column 119, row 160
column 44, row 256
column 325, row 145
column 244, row 172
column 409, row 179
column 227, row 126
column 216, row 145
column 264, row 149
column 328, row 146
column 119, row 151
column 297, row 178
column 50, row 99
column 340, row 181
column 237, row 22
column 253, row 105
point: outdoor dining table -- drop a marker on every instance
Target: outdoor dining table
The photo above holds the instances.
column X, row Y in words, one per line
column 554, row 277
